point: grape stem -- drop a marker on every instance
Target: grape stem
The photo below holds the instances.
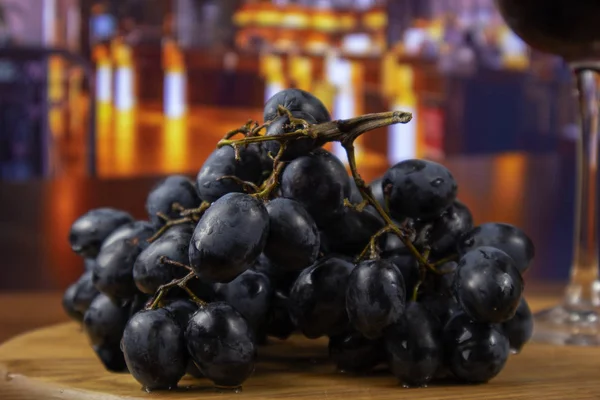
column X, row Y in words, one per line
column 273, row 180
column 168, row 261
column 343, row 130
column 248, row 186
column 439, row 263
column 371, row 247
column 181, row 283
column 168, row 224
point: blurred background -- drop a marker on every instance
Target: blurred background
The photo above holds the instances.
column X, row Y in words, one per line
column 101, row 98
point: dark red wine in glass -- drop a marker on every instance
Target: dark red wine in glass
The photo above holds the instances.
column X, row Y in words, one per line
column 571, row 29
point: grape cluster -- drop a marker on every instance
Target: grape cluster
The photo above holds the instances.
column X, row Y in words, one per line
column 275, row 237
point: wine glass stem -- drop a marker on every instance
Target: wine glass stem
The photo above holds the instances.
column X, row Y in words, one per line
column 584, row 288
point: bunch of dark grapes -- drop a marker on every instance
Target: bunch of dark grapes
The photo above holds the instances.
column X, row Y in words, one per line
column 275, row 238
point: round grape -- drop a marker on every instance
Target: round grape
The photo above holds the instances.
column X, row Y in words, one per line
column 414, row 346
column 375, row 297
column 487, row 285
column 519, row 328
column 221, row 344
column 319, row 182
column 295, row 148
column 442, row 233
column 353, row 353
column 176, row 189
column 419, row 189
column 229, row 238
column 351, row 232
column 409, row 269
column 140, row 230
column 85, row 292
column 154, row 348
column 293, row 241
column 68, row 303
column 476, row 352
column 279, row 324
column 113, row 274
column 222, row 163
column 250, row 294
column 104, row 323
column 300, row 103
column 92, row 228
column 317, row 301
column 149, row 270
column 508, row 238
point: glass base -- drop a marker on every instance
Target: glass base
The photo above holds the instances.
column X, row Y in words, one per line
column 565, row 325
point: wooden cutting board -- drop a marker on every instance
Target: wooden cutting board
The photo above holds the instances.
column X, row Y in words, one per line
column 57, row 363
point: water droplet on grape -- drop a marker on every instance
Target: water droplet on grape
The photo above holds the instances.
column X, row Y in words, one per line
column 436, row 182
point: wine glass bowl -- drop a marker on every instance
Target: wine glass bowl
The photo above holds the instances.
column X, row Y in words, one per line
column 571, row 29
column 568, row 28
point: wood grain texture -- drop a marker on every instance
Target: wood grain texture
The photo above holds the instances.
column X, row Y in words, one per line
column 56, row 363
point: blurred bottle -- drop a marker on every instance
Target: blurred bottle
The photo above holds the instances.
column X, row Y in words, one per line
column 402, row 138
column 175, row 82
column 124, row 75
column 272, row 71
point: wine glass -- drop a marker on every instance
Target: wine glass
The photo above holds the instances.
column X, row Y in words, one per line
column 571, row 29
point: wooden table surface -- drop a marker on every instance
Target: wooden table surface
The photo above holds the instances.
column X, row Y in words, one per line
column 56, row 363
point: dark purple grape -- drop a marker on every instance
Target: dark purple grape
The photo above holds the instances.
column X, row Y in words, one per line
column 377, row 191
column 229, row 238
column 375, row 297
column 419, row 189
column 175, row 189
column 295, row 148
column 319, row 182
column 519, row 328
column 104, row 323
column 89, row 263
column 293, row 242
column 409, row 268
column 508, row 238
column 414, row 346
column 92, row 228
column 299, row 103
column 154, row 348
column 351, row 232
column 354, row 194
column 279, row 324
column 317, row 301
column 250, row 294
column 266, row 162
column 113, row 274
column 222, row 163
column 476, row 352
column 442, row 233
column 140, row 230
column 353, row 353
column 446, row 279
column 280, row 279
column 85, row 292
column 182, row 310
column 138, row 303
column 68, row 303
column 441, row 305
column 150, row 271
column 487, row 285
column 221, row 344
